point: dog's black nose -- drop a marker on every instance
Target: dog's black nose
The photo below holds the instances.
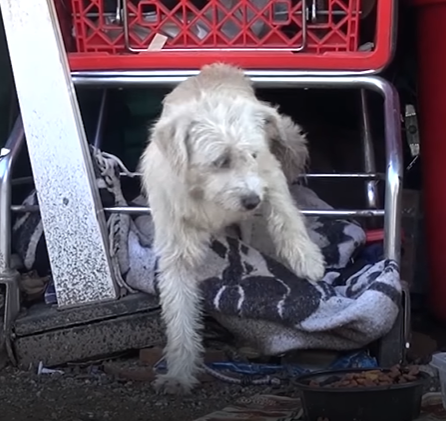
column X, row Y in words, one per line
column 251, row 202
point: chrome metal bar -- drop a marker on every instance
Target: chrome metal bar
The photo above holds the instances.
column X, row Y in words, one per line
column 367, row 176
column 321, row 80
column 24, row 209
column 171, row 78
column 118, row 12
column 100, row 123
column 8, row 276
column 133, row 210
column 374, row 176
column 371, row 188
column 394, row 168
column 139, row 210
column 8, row 154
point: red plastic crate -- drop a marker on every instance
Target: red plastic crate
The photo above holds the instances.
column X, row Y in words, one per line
column 255, row 34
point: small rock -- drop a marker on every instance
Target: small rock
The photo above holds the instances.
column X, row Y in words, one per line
column 150, row 356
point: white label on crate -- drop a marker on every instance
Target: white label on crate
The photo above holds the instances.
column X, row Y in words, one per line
column 157, row 43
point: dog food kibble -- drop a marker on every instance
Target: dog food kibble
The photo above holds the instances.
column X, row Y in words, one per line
column 396, row 375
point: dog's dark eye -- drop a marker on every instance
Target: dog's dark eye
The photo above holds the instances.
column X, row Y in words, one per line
column 254, row 155
column 223, row 162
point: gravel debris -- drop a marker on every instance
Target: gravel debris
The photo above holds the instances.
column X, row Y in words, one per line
column 88, row 394
column 98, row 391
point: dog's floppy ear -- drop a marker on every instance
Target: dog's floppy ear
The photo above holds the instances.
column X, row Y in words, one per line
column 287, row 142
column 171, row 135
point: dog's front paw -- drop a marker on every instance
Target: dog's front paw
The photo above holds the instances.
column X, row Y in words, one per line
column 168, row 385
column 310, row 263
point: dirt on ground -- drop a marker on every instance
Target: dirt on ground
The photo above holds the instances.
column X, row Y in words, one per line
column 120, row 390
column 98, row 396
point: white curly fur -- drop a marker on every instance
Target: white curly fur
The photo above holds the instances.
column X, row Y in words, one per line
column 216, row 151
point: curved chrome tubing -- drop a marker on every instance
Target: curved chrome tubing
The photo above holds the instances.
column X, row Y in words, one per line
column 9, row 276
column 289, row 79
column 391, row 350
column 393, row 146
column 369, row 153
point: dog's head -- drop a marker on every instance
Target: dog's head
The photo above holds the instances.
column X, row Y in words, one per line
column 219, row 148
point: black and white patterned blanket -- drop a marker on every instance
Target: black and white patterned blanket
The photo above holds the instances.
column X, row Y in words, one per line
column 257, row 298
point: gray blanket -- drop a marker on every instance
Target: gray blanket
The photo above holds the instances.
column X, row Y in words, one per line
column 246, row 289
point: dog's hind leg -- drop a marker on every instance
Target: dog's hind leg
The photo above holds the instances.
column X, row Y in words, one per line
column 180, row 252
column 286, row 225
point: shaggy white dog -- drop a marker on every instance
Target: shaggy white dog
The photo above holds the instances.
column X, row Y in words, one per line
column 215, row 156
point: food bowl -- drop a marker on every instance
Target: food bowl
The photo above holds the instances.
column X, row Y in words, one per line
column 362, row 394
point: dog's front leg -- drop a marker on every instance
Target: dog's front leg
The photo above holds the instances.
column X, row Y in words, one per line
column 180, row 253
column 286, row 226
